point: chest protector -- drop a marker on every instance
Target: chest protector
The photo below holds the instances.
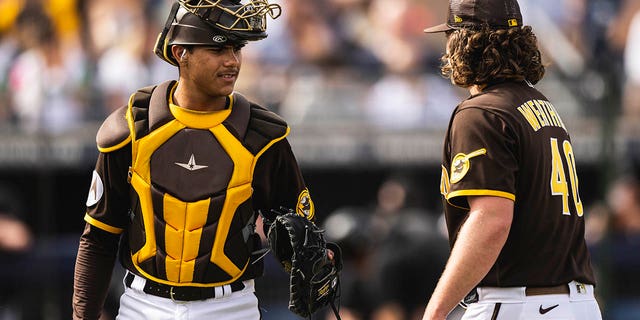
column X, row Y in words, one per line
column 192, row 175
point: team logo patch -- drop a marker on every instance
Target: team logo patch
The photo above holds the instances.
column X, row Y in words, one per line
column 461, row 163
column 96, row 190
column 305, row 205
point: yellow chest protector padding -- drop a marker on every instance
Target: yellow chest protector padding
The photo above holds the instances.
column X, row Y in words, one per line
column 192, row 175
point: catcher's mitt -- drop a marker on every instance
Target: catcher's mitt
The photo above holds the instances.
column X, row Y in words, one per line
column 301, row 248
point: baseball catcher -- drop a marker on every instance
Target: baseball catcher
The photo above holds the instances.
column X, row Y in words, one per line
column 312, row 263
column 182, row 170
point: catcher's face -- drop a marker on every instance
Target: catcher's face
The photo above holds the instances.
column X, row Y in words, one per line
column 211, row 72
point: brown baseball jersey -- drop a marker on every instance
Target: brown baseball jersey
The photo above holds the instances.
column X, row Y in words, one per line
column 509, row 141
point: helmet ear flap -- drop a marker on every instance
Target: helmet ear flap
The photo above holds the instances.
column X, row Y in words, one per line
column 162, row 48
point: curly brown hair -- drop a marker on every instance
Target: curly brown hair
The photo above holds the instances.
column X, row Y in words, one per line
column 487, row 56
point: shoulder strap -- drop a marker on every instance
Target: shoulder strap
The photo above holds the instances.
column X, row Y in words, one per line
column 264, row 129
column 138, row 118
column 148, row 109
column 238, row 120
column 139, row 112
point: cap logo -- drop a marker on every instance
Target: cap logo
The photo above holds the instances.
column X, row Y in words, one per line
column 457, row 19
column 219, row 39
column 512, row 22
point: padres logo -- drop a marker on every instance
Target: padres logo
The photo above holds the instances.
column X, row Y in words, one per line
column 460, row 164
column 305, row 205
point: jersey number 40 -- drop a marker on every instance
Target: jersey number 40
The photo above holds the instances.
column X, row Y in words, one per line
column 559, row 184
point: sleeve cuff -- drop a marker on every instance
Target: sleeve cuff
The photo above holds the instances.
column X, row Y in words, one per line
column 477, row 192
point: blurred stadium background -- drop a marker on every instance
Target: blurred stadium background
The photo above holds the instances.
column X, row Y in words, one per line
column 359, row 84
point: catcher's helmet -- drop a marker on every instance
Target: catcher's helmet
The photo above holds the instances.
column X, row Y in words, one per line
column 214, row 23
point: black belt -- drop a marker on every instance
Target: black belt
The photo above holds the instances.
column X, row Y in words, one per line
column 539, row 291
column 528, row 291
column 180, row 293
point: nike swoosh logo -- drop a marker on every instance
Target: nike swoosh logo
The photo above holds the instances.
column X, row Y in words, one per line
column 545, row 310
column 191, row 165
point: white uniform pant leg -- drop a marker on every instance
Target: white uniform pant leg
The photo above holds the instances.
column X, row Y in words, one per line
column 512, row 304
column 240, row 305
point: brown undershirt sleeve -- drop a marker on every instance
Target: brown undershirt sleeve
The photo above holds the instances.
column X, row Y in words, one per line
column 94, row 264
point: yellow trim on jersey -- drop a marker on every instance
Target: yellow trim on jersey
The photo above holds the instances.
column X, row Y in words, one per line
column 199, row 119
column 272, row 143
column 129, row 137
column 115, row 147
column 481, row 192
column 102, row 225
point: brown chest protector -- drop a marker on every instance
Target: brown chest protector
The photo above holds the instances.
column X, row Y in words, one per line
column 192, row 175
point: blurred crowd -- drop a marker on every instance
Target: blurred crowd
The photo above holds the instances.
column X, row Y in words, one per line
column 613, row 235
column 66, row 63
column 395, row 249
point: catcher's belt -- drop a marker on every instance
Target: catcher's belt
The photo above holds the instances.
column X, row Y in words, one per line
column 183, row 293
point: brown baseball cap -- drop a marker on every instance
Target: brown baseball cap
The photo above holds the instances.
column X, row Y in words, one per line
column 497, row 14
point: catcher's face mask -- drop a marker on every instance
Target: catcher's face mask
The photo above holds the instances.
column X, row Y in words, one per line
column 214, row 23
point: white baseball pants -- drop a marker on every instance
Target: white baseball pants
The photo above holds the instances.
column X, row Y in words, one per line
column 138, row 305
column 513, row 304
